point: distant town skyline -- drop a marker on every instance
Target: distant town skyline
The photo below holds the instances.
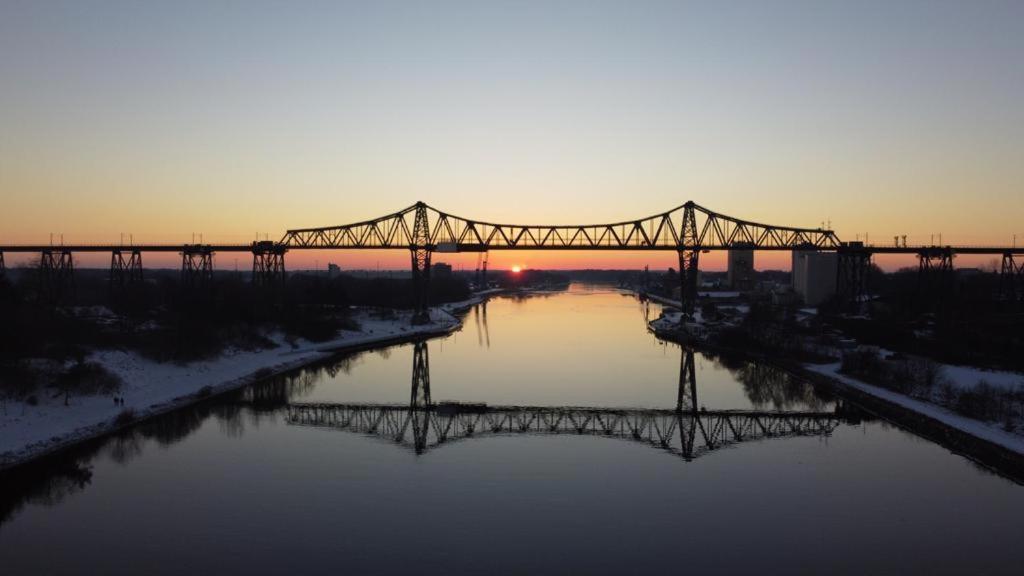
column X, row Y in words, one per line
column 164, row 120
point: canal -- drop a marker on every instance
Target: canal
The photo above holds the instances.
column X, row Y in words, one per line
column 552, row 434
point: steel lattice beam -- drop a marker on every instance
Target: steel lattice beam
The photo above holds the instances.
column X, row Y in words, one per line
column 687, row 434
column 687, row 226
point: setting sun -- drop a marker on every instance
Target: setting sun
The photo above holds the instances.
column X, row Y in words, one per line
column 517, row 269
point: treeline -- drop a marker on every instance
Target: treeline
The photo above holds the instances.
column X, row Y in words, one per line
column 925, row 379
column 166, row 321
column 962, row 320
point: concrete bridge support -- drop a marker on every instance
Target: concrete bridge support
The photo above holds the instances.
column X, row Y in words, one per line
column 268, row 264
column 196, row 266
column 124, row 273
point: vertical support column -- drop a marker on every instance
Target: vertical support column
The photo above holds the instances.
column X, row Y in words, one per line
column 420, row 252
column 687, row 399
column 57, row 273
column 852, row 274
column 3, row 265
column 687, row 416
column 420, row 404
column 268, row 264
column 1011, row 278
column 196, row 266
column 689, row 256
column 125, row 272
column 935, row 274
column 420, row 395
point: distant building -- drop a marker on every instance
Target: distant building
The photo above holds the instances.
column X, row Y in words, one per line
column 441, row 269
column 740, row 275
column 814, row 275
column 333, row 270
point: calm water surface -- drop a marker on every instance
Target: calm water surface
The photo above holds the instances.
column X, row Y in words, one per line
column 340, row 469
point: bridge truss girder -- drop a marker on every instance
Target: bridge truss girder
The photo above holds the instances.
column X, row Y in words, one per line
column 686, row 434
column 686, row 226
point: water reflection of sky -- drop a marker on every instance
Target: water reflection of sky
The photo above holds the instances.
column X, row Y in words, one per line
column 231, row 486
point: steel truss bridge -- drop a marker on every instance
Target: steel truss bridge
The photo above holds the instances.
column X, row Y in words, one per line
column 686, row 434
column 689, row 230
column 686, row 431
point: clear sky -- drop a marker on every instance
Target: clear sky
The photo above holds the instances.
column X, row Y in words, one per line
column 232, row 118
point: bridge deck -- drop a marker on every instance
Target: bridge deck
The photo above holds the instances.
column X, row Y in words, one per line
column 175, row 248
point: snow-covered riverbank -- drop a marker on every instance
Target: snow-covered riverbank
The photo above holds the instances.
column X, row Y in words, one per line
column 149, row 388
column 960, row 377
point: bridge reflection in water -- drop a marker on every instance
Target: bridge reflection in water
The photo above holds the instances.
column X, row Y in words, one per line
column 686, row 431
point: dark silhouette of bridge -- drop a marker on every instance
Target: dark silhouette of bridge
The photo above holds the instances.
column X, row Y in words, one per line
column 687, row 431
column 689, row 230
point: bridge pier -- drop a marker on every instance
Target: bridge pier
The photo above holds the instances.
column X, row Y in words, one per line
column 196, row 266
column 935, row 273
column 420, row 251
column 57, row 273
column 125, row 272
column 3, row 266
column 268, row 264
column 854, row 263
column 687, row 398
column 420, row 404
column 1011, row 278
column 688, row 271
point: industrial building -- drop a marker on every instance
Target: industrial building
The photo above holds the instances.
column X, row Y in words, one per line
column 814, row 275
column 741, row 270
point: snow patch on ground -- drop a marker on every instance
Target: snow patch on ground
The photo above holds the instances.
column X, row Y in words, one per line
column 970, row 426
column 152, row 387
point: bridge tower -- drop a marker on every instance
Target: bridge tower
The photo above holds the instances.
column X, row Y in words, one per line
column 420, row 404
column 689, row 255
column 196, row 265
column 125, row 272
column 1011, row 278
column 854, row 263
column 421, row 251
column 268, row 264
column 687, row 398
column 57, row 271
column 935, row 273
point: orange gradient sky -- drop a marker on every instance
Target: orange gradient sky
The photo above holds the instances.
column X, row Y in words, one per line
column 235, row 119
